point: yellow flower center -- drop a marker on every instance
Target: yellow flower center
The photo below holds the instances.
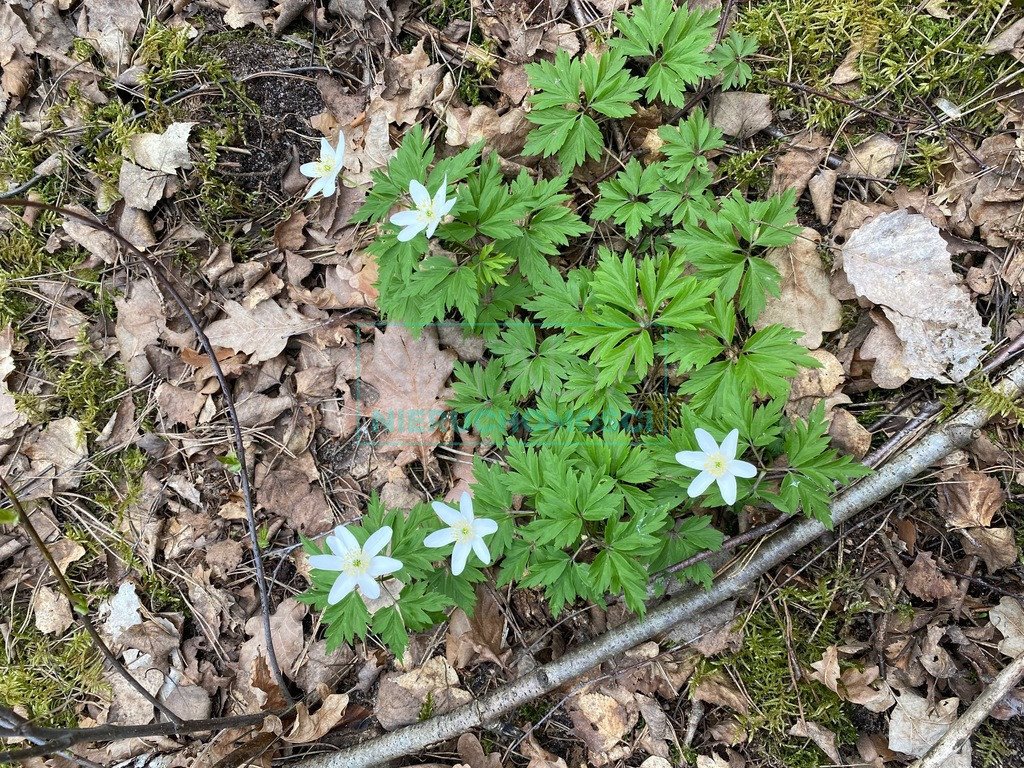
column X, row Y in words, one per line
column 355, row 564
column 463, row 533
column 716, row 465
column 325, row 166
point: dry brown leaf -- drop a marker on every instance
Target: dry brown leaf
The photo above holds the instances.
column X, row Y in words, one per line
column 481, row 638
column 925, row 580
column 968, row 498
column 58, row 449
column 14, row 35
column 472, row 753
column 602, row 719
column 141, row 187
column 849, row 435
column 884, row 347
column 52, row 612
column 996, row 546
column 261, row 332
column 799, row 163
column 111, row 26
column 875, row 156
column 866, row 688
column 539, row 757
column 400, row 699
column 1009, row 40
column 805, row 303
column 848, row 71
column 740, row 114
column 823, row 189
column 916, row 725
column 820, row 735
column 409, row 375
column 309, row 728
column 140, row 322
column 934, row 658
column 900, row 262
column 241, row 13
column 165, row 152
column 717, row 689
column 1008, row 618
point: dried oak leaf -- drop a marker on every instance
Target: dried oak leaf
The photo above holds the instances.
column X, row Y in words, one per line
column 309, row 728
column 1008, row 618
column 925, row 580
column 602, row 719
column 52, row 612
column 111, row 26
column 969, row 499
column 400, row 699
column 916, row 725
column 805, row 302
column 899, row 261
column 996, row 546
column 141, row 188
column 261, row 332
column 409, row 375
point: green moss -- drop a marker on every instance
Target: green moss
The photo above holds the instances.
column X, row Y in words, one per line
column 86, row 388
column 50, row 677
column 747, row 170
column 991, row 750
column 18, row 155
column 443, row 12
column 23, row 260
column 788, row 629
column 908, row 57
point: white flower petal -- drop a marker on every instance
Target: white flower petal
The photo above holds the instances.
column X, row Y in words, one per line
column 343, row 585
column 326, row 562
column 481, row 550
column 441, row 538
column 727, row 485
column 448, row 515
column 741, row 468
column 406, row 218
column 339, row 151
column 326, row 150
column 309, row 169
column 460, row 554
column 705, row 440
column 369, row 587
column 728, row 448
column 419, row 194
column 377, row 541
column 348, row 542
column 431, row 226
column 410, row 231
column 445, row 209
column 382, row 566
column 335, row 545
column 700, row 484
column 330, row 184
column 484, row 526
column 315, row 188
column 692, row 459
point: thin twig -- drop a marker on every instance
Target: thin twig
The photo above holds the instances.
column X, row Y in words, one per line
column 79, row 604
column 769, row 553
column 229, row 405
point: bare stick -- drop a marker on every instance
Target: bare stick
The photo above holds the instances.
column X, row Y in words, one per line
column 53, row 739
column 767, row 554
column 229, row 405
column 960, row 732
column 80, row 606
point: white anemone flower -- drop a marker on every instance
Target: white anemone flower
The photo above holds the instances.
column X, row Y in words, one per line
column 324, row 171
column 358, row 566
column 465, row 530
column 428, row 212
column 717, row 463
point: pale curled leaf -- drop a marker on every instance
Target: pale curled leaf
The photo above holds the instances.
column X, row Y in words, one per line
column 899, row 261
column 165, row 152
column 1008, row 618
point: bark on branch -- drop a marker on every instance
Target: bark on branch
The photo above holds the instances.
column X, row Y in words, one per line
column 769, row 553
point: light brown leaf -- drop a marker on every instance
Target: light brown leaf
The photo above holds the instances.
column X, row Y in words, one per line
column 52, row 611
column 916, row 725
column 409, row 375
column 111, row 26
column 400, row 699
column 820, row 735
column 899, row 261
column 996, row 546
column 823, row 188
column 925, row 580
column 968, row 498
column 602, row 720
column 849, row 435
column 309, row 728
column 875, row 156
column 472, row 753
column 805, row 303
column 141, row 187
column 539, row 757
column 140, row 321
column 864, row 687
column 740, row 114
column 1008, row 618
column 261, row 332
column 165, row 152
column 799, row 163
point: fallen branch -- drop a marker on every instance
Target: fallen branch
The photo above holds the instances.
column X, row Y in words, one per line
column 765, row 555
column 960, row 732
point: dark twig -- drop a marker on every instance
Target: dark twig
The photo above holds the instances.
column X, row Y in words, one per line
column 59, row 738
column 10, row 719
column 80, row 606
column 229, row 405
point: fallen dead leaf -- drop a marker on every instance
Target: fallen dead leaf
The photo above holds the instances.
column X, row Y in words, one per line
column 925, row 580
column 740, row 114
column 52, row 612
column 602, row 719
column 822, row 188
column 875, row 156
column 141, row 187
column 400, row 699
column 799, row 163
column 820, row 735
column 261, row 332
column 899, row 261
column 805, row 304
column 309, row 728
column 968, row 498
column 996, row 546
column 915, row 726
column 472, row 753
column 165, row 152
column 140, row 322
column 1008, row 618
